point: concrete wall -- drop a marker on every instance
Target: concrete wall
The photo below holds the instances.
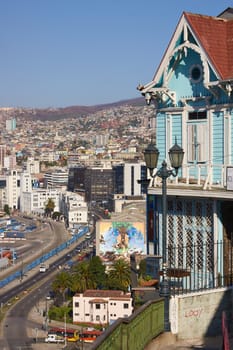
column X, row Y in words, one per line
column 199, row 314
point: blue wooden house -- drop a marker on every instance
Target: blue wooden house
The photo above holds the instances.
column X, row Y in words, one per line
column 193, row 99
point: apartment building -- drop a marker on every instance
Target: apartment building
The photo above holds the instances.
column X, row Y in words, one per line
column 56, row 178
column 98, row 183
column 101, row 306
column 3, row 152
column 32, row 166
column 35, row 201
column 10, row 124
column 74, row 208
column 126, row 176
column 12, row 190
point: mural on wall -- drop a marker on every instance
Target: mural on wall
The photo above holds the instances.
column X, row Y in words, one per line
column 121, row 238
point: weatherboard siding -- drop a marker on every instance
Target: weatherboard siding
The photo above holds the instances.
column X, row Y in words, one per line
column 218, row 144
column 177, row 129
column 161, row 136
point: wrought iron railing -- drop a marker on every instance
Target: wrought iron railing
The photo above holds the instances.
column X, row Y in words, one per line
column 200, row 266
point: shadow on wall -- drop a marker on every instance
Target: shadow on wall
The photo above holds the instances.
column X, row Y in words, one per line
column 200, row 314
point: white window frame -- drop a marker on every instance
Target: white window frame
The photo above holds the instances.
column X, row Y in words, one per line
column 197, row 142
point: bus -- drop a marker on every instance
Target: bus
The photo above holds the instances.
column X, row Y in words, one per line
column 71, row 335
column 89, row 335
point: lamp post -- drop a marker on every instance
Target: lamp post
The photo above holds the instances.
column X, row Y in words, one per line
column 176, row 155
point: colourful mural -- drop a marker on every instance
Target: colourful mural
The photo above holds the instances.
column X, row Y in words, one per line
column 121, row 238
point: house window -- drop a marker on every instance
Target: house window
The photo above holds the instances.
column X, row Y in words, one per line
column 97, row 306
column 195, row 74
column 125, row 306
column 197, row 142
column 76, row 304
column 97, row 318
column 197, row 115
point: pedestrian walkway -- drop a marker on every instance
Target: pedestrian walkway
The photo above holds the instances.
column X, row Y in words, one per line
column 37, row 331
column 168, row 341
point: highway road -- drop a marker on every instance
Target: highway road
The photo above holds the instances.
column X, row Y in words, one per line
column 47, row 236
column 16, row 322
column 15, row 335
column 28, row 283
column 33, row 287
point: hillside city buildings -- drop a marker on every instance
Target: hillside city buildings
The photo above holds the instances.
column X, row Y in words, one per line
column 93, row 159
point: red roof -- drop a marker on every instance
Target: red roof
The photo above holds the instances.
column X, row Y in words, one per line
column 215, row 35
column 96, row 300
column 97, row 293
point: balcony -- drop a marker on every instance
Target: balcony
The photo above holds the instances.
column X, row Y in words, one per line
column 198, row 180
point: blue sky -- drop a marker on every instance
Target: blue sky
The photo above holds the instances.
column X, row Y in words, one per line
column 58, row 53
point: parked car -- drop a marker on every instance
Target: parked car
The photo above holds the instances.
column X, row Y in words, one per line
column 54, row 338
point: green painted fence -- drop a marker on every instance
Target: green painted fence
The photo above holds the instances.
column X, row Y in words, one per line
column 135, row 332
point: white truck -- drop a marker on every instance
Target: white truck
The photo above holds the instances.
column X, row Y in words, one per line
column 54, row 338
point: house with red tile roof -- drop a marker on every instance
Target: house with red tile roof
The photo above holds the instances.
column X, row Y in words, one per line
column 101, row 307
column 192, row 94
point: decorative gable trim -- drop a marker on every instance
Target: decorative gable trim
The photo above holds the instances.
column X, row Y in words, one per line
column 187, row 37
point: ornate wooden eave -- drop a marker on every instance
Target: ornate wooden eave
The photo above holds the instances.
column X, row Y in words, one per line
column 158, row 94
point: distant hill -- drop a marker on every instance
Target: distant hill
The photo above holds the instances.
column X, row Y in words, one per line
column 76, row 111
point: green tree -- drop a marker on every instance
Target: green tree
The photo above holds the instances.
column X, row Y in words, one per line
column 82, row 278
column 56, row 215
column 119, row 275
column 97, row 271
column 7, row 209
column 58, row 313
column 61, row 283
column 49, row 207
column 142, row 268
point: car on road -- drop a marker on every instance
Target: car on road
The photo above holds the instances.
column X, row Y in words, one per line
column 54, row 338
column 88, row 235
column 43, row 268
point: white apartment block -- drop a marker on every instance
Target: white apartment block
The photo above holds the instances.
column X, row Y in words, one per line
column 101, row 139
column 10, row 162
column 10, row 124
column 12, row 190
column 32, row 166
column 25, row 182
column 57, row 178
column 48, row 157
column 35, row 201
column 74, row 208
column 132, row 173
column 101, row 306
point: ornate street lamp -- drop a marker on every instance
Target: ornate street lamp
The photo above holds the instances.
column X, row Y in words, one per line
column 176, row 155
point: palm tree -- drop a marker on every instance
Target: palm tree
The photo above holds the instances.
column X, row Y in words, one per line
column 82, row 278
column 119, row 275
column 61, row 283
column 97, row 271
